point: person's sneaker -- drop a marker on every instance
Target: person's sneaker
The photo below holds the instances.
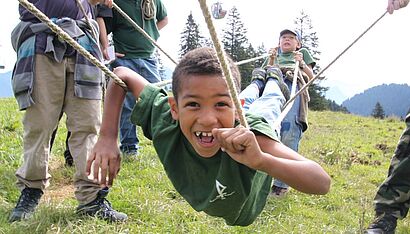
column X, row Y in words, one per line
column 276, row 74
column 102, row 209
column 69, row 161
column 383, row 224
column 279, row 192
column 259, row 78
column 26, row 204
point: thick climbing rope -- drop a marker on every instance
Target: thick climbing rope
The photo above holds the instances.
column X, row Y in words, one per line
column 148, row 9
column 135, row 25
column 57, row 30
column 87, row 19
column 333, row 61
column 223, row 62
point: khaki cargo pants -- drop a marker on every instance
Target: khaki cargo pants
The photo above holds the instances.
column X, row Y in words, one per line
column 53, row 93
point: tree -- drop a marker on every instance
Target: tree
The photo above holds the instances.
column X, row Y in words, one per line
column 236, row 44
column 191, row 38
column 378, row 111
column 310, row 41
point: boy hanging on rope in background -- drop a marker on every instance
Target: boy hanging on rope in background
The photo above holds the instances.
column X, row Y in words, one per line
column 218, row 166
column 295, row 121
column 392, row 200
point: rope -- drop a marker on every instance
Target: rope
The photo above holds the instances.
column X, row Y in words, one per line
column 223, row 61
column 135, row 25
column 87, row 19
column 148, row 9
column 252, row 59
column 57, row 30
column 334, row 60
column 287, row 108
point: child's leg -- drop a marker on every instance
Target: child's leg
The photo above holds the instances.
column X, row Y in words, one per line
column 270, row 103
column 253, row 90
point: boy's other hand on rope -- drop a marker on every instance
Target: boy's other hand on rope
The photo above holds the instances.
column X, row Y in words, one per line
column 105, row 2
column 393, row 5
column 105, row 157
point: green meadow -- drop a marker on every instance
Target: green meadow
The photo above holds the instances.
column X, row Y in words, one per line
column 354, row 150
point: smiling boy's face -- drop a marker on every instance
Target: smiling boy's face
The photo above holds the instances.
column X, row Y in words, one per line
column 203, row 103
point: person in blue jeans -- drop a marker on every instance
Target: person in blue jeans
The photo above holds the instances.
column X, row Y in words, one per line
column 295, row 122
column 135, row 51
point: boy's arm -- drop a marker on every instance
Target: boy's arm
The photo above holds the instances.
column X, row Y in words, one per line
column 264, row 154
column 161, row 24
column 103, row 37
column 105, row 155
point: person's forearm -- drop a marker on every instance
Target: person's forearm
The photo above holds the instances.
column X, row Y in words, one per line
column 161, row 24
column 103, row 33
column 308, row 71
column 112, row 108
column 305, row 176
column 289, row 166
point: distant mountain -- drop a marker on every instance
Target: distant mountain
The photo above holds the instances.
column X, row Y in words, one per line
column 394, row 98
column 5, row 85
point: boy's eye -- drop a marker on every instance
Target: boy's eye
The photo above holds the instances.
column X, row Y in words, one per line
column 221, row 104
column 192, row 104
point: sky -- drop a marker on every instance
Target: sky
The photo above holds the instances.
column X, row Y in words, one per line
column 379, row 57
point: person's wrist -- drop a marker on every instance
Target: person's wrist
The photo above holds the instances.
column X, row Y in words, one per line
column 302, row 65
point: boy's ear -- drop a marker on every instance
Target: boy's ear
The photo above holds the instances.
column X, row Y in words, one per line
column 174, row 107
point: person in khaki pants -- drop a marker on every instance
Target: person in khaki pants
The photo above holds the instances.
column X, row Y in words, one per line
column 51, row 78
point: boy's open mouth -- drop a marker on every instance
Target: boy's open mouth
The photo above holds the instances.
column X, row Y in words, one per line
column 204, row 137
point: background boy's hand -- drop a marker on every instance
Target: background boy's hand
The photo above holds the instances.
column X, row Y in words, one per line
column 298, row 56
column 105, row 157
column 240, row 143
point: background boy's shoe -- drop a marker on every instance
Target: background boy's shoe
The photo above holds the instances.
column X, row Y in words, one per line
column 279, row 192
column 102, row 209
column 26, row 204
column 383, row 224
column 275, row 73
column 69, row 161
column 259, row 78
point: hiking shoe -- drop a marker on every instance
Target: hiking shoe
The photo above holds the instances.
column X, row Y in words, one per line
column 69, row 161
column 279, row 192
column 383, row 224
column 259, row 78
column 26, row 204
column 102, row 209
column 276, row 74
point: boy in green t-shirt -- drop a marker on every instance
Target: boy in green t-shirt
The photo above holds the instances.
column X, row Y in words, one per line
column 218, row 166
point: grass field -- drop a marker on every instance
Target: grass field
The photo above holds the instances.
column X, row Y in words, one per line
column 354, row 150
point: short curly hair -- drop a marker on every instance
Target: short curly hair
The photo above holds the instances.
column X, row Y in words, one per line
column 201, row 61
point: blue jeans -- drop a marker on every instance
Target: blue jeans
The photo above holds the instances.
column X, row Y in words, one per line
column 268, row 105
column 291, row 130
column 147, row 68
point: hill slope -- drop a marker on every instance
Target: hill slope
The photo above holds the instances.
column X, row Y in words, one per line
column 394, row 98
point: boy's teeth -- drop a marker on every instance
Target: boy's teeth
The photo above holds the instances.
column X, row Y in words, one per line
column 205, row 134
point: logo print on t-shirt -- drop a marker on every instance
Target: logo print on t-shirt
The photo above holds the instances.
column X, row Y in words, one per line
column 220, row 188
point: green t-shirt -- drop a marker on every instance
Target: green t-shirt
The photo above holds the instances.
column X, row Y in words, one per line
column 127, row 39
column 288, row 59
column 219, row 186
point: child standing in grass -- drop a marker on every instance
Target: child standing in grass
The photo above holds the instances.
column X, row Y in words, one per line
column 218, row 166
